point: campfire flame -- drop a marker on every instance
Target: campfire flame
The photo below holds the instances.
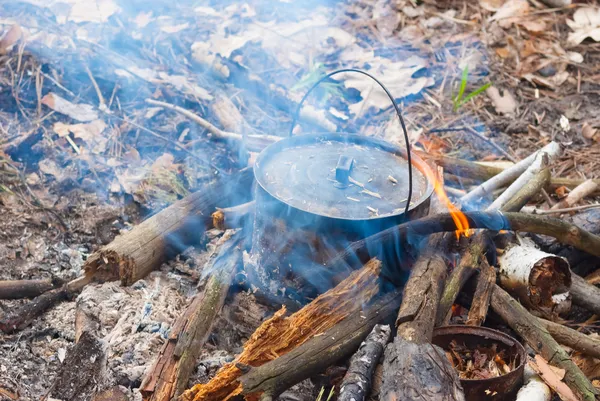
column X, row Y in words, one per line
column 462, row 224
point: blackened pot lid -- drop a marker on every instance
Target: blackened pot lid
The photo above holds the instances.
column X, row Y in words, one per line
column 341, row 176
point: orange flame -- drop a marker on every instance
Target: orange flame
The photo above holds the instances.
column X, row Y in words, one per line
column 462, row 224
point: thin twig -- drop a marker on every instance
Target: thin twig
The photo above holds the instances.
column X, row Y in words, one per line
column 566, row 210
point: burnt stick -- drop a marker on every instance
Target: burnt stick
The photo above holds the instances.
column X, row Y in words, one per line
column 17, row 289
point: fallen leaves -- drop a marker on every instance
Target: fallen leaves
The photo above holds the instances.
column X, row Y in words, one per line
column 11, row 37
column 80, row 112
column 90, row 133
column 510, row 12
column 503, row 103
column 553, row 377
column 585, row 24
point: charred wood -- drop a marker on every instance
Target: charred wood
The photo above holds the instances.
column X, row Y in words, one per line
column 233, row 217
column 17, row 289
column 483, row 294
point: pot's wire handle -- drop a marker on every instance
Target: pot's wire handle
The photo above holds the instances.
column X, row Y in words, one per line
column 398, row 113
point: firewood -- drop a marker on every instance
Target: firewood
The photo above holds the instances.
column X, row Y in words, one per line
column 534, row 276
column 483, row 294
column 538, row 182
column 170, row 372
column 538, row 338
column 316, row 354
column 357, row 381
column 462, row 168
column 17, row 289
column 470, row 262
column 585, row 294
column 279, row 334
column 509, row 175
column 233, row 217
column 573, row 338
column 25, row 314
column 586, row 188
column 534, row 388
column 133, row 255
column 80, row 375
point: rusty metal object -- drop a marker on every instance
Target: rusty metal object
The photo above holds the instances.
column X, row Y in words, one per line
column 498, row 388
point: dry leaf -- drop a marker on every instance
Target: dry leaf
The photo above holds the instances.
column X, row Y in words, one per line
column 510, row 12
column 90, row 133
column 550, row 377
column 585, row 24
column 79, row 112
column 491, row 5
column 588, row 132
column 504, row 104
column 97, row 11
column 503, row 52
column 10, row 38
column 533, row 25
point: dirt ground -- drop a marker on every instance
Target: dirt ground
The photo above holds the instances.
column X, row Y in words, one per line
column 73, row 177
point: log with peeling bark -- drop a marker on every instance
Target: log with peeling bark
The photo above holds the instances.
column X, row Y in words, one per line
column 171, row 370
column 280, row 335
column 573, row 338
column 470, row 262
column 17, row 289
column 585, row 294
column 315, row 355
column 238, row 216
column 133, row 255
column 483, row 294
column 542, row 342
column 357, row 381
column 534, row 276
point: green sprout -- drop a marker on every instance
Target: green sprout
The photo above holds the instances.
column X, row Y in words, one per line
column 316, row 72
column 461, row 99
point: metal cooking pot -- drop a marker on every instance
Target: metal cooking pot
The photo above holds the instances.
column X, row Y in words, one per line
column 317, row 193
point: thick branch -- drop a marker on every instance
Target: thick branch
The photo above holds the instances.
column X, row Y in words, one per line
column 17, row 289
column 573, row 338
column 538, row 338
column 585, row 294
column 483, row 294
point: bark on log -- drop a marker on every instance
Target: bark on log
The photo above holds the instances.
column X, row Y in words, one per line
column 315, row 355
column 171, row 371
column 469, row 263
column 357, row 382
column 538, row 338
column 528, row 191
column 573, row 338
column 483, row 295
column 17, row 289
column 234, row 217
column 585, row 294
column 563, row 231
column 133, row 255
column 280, row 335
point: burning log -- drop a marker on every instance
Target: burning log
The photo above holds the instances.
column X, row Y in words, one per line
column 357, row 381
column 321, row 351
column 533, row 275
column 538, row 338
column 233, row 217
column 170, row 373
column 280, row 335
column 133, row 255
column 17, row 289
column 483, row 294
column 573, row 338
column 585, row 294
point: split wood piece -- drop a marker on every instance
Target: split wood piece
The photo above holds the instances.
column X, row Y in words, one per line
column 586, row 188
column 357, row 382
column 585, row 294
column 534, row 276
column 279, row 335
column 171, row 371
column 532, row 188
column 522, row 183
column 538, row 338
column 470, row 262
column 493, row 220
column 17, row 289
column 81, row 373
column 252, row 142
column 233, row 217
column 573, row 338
column 316, row 354
column 133, row 255
column 509, row 175
column 483, row 294
column 22, row 316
